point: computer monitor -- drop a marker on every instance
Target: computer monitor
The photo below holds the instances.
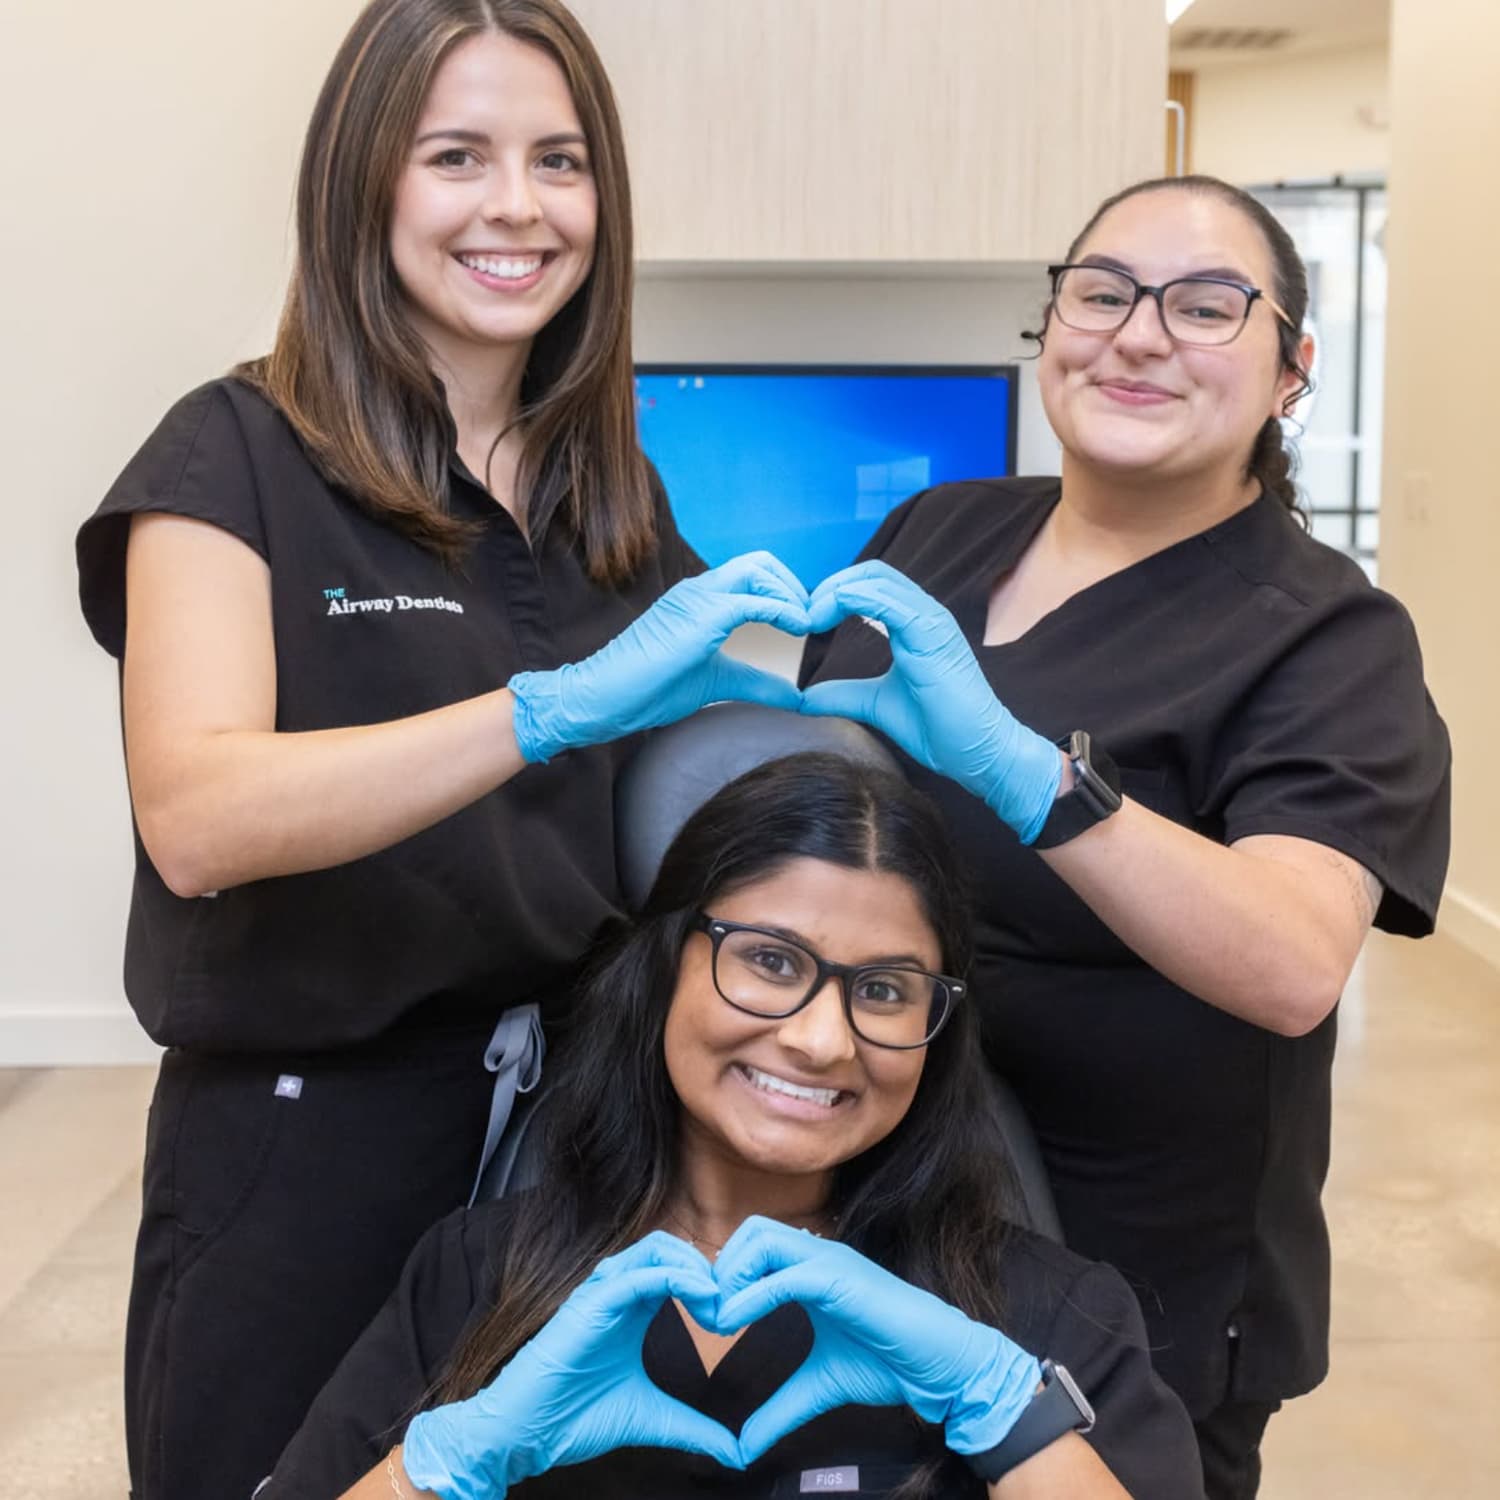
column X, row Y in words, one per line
column 807, row 460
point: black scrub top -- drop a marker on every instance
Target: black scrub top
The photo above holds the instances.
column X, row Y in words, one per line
column 490, row 907
column 1059, row 1306
column 1248, row 680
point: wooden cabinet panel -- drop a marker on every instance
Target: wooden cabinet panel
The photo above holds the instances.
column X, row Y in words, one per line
column 879, row 130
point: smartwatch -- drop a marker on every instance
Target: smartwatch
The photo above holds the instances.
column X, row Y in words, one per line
column 1095, row 794
column 1057, row 1409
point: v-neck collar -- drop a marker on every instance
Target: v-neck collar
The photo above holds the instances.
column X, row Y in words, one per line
column 752, row 1369
column 972, row 607
column 971, row 610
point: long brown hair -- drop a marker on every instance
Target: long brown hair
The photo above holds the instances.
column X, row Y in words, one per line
column 349, row 372
column 932, row 1201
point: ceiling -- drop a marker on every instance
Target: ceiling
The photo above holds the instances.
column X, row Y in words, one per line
column 1268, row 29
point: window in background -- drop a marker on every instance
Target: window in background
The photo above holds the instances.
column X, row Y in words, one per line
column 1340, row 229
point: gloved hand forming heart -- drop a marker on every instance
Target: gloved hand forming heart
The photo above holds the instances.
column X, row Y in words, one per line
column 666, row 665
column 579, row 1389
column 935, row 702
column 877, row 1341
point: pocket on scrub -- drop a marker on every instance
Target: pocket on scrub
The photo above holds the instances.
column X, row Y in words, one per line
column 225, row 1131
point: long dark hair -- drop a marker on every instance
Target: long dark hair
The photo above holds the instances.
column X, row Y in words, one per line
column 1270, row 463
column 351, row 375
column 930, row 1202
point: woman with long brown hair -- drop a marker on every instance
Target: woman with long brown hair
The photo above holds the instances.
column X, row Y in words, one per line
column 364, row 592
column 772, row 1109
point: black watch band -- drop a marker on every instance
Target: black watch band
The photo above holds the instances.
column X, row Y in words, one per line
column 1095, row 794
column 1057, row 1409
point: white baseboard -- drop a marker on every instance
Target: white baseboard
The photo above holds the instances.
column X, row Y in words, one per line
column 1471, row 923
column 61, row 1037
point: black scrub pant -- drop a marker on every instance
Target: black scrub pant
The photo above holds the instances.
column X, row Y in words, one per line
column 1229, row 1441
column 281, row 1197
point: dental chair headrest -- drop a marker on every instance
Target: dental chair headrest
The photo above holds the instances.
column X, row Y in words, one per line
column 679, row 768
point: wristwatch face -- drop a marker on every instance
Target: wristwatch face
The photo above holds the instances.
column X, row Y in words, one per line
column 1094, row 773
column 1056, row 1410
column 1066, row 1381
column 1095, row 794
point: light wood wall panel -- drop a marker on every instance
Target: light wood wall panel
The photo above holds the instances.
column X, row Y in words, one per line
column 879, row 130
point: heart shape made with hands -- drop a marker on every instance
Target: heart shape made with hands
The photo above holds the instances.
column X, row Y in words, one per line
column 766, row 1265
column 931, row 661
column 578, row 1389
column 916, row 624
column 877, row 1340
column 934, row 701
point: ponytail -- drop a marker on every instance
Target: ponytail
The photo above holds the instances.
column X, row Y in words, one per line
column 1272, row 466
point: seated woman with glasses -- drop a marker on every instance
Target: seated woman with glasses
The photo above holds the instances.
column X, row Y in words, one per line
column 1187, row 756
column 772, row 1255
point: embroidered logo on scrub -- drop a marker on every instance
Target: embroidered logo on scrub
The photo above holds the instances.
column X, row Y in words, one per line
column 340, row 604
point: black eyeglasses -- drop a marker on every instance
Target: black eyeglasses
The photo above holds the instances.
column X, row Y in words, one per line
column 767, row 974
column 1202, row 310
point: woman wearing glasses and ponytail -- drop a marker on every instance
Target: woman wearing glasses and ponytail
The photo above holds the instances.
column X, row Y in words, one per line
column 1209, row 762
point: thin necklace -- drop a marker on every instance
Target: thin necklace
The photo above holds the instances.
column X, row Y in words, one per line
column 696, row 1239
column 717, row 1245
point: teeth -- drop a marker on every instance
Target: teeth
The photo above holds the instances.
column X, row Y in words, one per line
column 774, row 1085
column 503, row 269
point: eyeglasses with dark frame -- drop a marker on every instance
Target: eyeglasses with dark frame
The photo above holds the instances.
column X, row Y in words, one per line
column 765, row 973
column 1200, row 310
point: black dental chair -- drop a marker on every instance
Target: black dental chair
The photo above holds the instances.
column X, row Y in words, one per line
column 674, row 773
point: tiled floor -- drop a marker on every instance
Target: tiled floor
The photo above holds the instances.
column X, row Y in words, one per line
column 1414, row 1199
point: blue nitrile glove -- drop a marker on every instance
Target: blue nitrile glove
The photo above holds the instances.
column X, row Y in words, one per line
column 577, row 1390
column 934, row 702
column 666, row 665
column 877, row 1341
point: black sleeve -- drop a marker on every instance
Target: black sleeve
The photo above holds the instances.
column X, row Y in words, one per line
column 1340, row 743
column 361, row 1414
column 815, row 648
column 1141, row 1429
column 195, row 464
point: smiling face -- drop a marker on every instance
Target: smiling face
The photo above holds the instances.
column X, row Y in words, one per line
column 496, row 211
column 1136, row 406
column 798, row 1096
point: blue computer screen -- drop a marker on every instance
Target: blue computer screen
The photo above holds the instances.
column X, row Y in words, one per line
column 808, row 462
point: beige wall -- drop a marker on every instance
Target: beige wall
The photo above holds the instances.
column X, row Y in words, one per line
column 1314, row 115
column 145, row 182
column 1440, row 522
